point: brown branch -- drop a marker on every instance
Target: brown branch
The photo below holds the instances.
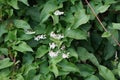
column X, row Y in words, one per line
column 93, row 11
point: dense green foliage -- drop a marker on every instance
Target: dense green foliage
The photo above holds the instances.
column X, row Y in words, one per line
column 59, row 40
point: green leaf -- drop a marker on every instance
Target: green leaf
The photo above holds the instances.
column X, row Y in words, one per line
column 19, row 77
column 80, row 18
column 12, row 36
column 3, row 51
column 68, row 66
column 4, row 74
column 109, row 51
column 13, row 3
column 73, row 53
column 103, row 8
column 76, row 34
column 106, row 73
column 116, row 26
column 25, row 2
column 86, row 70
column 106, row 34
column 49, row 7
column 114, row 33
column 5, row 63
column 85, row 55
column 28, row 67
column 92, row 77
column 73, row 1
column 119, row 69
column 22, row 24
column 55, row 19
column 2, row 29
column 41, row 51
column 22, row 47
column 53, row 68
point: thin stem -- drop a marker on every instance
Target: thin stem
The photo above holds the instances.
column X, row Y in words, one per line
column 93, row 11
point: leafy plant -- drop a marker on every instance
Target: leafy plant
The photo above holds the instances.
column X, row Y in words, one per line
column 59, row 39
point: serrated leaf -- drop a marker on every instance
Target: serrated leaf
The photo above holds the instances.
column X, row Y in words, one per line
column 106, row 34
column 41, row 51
column 22, row 24
column 106, row 73
column 5, row 63
column 76, row 34
column 23, row 47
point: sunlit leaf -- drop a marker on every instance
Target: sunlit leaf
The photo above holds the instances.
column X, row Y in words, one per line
column 5, row 63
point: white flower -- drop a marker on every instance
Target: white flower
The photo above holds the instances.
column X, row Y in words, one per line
column 65, row 55
column 29, row 32
column 57, row 12
column 53, row 54
column 52, row 45
column 63, row 47
column 56, row 36
column 37, row 38
column 59, row 36
column 52, row 34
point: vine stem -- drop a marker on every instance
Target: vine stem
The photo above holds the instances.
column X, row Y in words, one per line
column 93, row 11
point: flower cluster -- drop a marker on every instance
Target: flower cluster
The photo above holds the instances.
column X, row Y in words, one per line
column 53, row 54
column 57, row 12
column 39, row 37
column 56, row 36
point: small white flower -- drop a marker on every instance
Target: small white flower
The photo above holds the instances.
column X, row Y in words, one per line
column 52, row 34
column 65, row 55
column 56, row 36
column 52, row 45
column 29, row 32
column 57, row 12
column 63, row 47
column 53, row 54
column 116, row 56
column 59, row 36
column 39, row 37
